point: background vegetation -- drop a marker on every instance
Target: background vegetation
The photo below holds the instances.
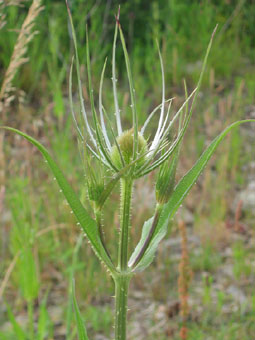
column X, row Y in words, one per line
column 38, row 233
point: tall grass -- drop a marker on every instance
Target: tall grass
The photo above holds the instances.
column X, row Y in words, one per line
column 128, row 156
column 62, row 141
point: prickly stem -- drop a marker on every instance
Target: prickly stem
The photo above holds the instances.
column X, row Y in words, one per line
column 122, row 279
column 121, row 297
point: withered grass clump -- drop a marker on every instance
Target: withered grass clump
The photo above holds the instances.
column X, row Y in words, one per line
column 18, row 57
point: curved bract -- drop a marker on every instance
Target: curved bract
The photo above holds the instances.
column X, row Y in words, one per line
column 108, row 148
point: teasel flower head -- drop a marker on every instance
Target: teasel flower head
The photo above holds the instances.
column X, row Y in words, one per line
column 166, row 180
column 127, row 152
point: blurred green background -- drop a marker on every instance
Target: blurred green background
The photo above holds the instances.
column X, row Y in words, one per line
column 38, row 233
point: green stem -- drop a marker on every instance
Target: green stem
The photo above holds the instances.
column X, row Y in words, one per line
column 122, row 279
column 121, row 295
column 126, row 194
column 30, row 309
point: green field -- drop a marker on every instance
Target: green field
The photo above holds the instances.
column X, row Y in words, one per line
column 41, row 245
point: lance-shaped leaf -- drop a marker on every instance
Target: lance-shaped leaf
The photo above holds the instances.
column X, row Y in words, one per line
column 20, row 334
column 86, row 222
column 180, row 192
column 81, row 329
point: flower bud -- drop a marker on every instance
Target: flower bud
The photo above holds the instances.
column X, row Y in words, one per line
column 95, row 189
column 94, row 180
column 166, row 179
column 126, row 147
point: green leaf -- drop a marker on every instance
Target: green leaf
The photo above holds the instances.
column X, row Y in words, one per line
column 75, row 263
column 81, row 329
column 27, row 274
column 148, row 256
column 44, row 324
column 180, row 192
column 87, row 223
column 19, row 332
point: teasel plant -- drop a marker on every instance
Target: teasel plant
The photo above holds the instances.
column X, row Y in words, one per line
column 123, row 156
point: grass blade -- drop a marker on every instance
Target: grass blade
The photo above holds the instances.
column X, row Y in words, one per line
column 18, row 330
column 81, row 329
column 69, row 312
column 44, row 323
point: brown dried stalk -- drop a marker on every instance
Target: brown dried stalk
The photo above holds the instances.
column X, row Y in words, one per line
column 18, row 57
column 8, row 274
column 185, row 275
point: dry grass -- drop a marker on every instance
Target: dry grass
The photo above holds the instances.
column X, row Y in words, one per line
column 18, row 57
